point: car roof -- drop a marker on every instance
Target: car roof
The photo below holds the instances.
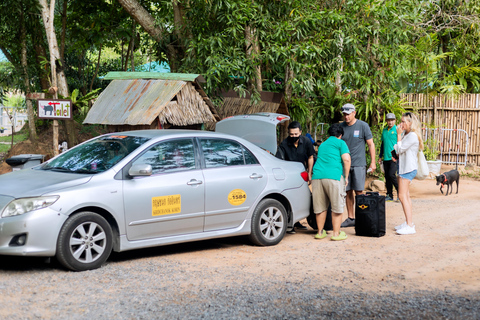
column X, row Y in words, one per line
column 157, row 133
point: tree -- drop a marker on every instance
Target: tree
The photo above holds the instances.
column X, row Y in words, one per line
column 23, row 41
column 58, row 80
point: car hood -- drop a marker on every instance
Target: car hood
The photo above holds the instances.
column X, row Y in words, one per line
column 32, row 183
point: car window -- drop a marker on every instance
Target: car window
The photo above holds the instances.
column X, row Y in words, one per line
column 249, row 157
column 169, row 156
column 222, row 153
column 95, row 156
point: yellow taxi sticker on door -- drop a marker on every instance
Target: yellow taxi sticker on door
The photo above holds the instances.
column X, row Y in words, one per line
column 166, row 205
column 237, row 197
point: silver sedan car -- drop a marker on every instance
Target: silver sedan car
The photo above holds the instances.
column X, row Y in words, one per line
column 139, row 189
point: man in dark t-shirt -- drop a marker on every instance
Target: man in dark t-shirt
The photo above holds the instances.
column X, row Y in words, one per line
column 300, row 149
column 356, row 134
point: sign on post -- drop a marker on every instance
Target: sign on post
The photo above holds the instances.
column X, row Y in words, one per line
column 54, row 109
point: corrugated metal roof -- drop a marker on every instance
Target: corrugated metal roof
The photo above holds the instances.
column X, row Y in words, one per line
column 117, row 75
column 133, row 102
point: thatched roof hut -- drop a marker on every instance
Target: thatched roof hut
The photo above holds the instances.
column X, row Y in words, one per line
column 233, row 105
column 151, row 100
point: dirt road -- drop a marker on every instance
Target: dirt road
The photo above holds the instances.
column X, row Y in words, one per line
column 444, row 254
column 434, row 274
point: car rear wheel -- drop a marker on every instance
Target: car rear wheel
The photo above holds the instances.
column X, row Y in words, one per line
column 269, row 223
column 85, row 242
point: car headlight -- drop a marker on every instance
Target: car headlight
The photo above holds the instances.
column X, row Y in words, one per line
column 24, row 205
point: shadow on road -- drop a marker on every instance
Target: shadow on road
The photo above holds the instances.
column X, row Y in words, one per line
column 20, row 263
column 179, row 248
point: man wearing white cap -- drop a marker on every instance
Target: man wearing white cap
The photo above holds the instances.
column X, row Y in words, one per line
column 389, row 139
column 357, row 133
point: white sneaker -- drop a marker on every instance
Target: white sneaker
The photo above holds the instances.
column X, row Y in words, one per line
column 400, row 226
column 407, row 230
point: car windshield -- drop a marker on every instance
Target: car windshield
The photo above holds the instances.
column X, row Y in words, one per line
column 95, row 156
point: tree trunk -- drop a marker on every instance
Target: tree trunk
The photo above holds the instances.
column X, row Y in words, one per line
column 97, row 66
column 64, row 30
column 125, row 67
column 39, row 44
column 253, row 53
column 338, row 79
column 59, row 81
column 148, row 23
column 132, row 58
column 23, row 41
column 288, row 84
column 145, row 19
column 181, row 31
column 178, row 19
column 7, row 54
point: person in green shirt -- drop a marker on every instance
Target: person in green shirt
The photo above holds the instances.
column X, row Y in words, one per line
column 389, row 139
column 329, row 180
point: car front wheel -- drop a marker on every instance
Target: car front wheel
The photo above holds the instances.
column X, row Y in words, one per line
column 85, row 242
column 269, row 223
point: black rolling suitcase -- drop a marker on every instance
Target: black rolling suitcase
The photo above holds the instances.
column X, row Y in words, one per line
column 370, row 215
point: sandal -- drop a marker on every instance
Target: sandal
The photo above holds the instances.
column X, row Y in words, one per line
column 342, row 236
column 321, row 236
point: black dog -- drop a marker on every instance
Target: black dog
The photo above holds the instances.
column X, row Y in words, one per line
column 448, row 178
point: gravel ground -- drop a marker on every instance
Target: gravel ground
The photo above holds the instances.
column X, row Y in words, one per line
column 161, row 284
column 434, row 274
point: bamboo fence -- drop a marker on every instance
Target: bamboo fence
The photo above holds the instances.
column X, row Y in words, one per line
column 459, row 113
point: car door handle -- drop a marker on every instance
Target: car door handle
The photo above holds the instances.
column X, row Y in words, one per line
column 256, row 176
column 194, row 182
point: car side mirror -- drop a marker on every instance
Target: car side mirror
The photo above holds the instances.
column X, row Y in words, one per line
column 140, row 170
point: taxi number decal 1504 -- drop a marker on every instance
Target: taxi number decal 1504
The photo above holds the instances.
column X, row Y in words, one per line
column 166, row 205
column 237, row 197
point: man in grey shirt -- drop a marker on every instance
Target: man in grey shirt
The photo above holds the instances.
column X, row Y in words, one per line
column 356, row 134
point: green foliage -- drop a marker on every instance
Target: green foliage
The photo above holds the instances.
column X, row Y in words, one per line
column 4, row 148
column 82, row 102
column 431, row 149
column 377, row 140
column 15, row 101
column 377, row 49
column 431, row 143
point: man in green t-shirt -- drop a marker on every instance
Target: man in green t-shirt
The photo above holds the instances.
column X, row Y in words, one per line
column 389, row 139
column 329, row 180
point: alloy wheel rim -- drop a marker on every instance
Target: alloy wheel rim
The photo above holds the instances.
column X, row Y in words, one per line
column 271, row 223
column 88, row 242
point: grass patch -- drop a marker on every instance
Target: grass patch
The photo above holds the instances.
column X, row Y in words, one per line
column 18, row 137
column 4, row 148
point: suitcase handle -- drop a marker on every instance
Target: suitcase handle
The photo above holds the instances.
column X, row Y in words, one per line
column 372, row 193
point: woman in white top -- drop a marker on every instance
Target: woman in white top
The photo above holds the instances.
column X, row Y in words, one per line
column 407, row 149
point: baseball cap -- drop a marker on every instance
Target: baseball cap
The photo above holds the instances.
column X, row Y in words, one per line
column 348, row 108
column 390, row 116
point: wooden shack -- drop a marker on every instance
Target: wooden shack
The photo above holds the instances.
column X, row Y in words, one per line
column 152, row 100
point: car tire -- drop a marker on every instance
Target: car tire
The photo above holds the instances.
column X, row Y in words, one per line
column 269, row 223
column 85, row 242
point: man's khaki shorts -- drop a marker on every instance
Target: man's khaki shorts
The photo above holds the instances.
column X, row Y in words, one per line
column 328, row 191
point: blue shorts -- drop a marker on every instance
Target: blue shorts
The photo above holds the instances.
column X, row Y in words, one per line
column 409, row 175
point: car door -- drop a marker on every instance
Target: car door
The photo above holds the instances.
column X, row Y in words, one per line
column 171, row 200
column 233, row 181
